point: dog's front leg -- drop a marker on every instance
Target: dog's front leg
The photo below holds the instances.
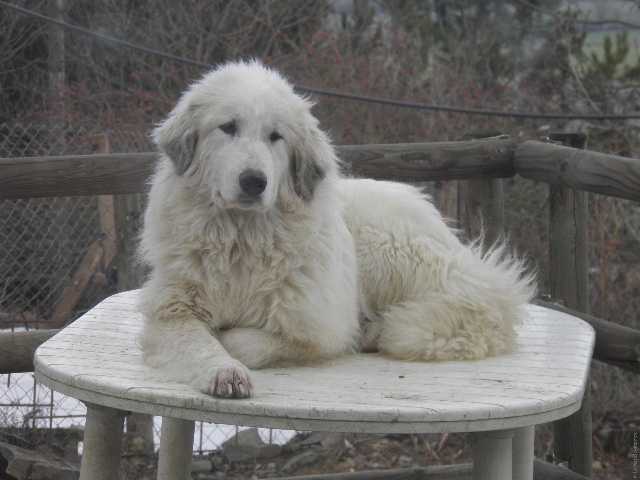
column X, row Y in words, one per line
column 185, row 348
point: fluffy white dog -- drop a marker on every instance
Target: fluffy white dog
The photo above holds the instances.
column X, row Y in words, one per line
column 262, row 255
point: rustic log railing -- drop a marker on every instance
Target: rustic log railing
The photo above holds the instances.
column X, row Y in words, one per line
column 129, row 173
column 486, row 158
column 579, row 169
column 482, row 163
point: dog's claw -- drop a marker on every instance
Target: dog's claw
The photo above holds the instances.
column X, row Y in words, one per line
column 231, row 382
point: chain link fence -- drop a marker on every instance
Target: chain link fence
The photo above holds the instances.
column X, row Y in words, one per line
column 43, row 241
column 49, row 246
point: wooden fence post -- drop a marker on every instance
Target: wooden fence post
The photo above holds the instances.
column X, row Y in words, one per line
column 100, row 145
column 128, row 211
column 569, row 264
column 446, row 196
column 485, row 203
column 485, row 209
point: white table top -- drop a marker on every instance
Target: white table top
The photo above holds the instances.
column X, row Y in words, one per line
column 97, row 360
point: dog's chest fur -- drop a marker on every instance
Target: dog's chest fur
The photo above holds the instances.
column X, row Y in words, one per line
column 250, row 264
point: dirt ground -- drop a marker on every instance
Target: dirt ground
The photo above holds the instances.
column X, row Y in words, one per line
column 330, row 453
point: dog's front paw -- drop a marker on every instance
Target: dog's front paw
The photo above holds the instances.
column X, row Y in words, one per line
column 231, row 382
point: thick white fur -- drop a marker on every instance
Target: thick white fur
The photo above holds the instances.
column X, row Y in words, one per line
column 237, row 285
column 241, row 283
column 427, row 296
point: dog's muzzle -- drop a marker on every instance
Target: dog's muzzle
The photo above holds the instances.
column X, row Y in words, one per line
column 252, row 184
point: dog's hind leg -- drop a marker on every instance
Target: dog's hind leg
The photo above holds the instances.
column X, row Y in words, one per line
column 437, row 327
column 440, row 301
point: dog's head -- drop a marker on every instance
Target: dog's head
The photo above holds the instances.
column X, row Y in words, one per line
column 243, row 135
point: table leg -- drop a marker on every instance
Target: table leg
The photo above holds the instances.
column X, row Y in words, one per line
column 492, row 454
column 523, row 453
column 176, row 449
column 102, row 444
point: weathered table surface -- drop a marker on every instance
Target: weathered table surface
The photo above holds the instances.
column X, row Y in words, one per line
column 97, row 360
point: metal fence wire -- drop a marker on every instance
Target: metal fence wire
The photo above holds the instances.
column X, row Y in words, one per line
column 45, row 244
column 43, row 241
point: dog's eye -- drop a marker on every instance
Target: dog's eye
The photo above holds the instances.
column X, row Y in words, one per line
column 275, row 136
column 229, row 128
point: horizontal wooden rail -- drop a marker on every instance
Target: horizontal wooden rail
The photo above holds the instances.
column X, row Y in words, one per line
column 129, row 173
column 415, row 162
column 579, row 169
column 615, row 344
column 487, row 158
column 75, row 175
column 17, row 349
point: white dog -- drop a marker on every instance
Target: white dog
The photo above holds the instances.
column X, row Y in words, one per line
column 262, row 255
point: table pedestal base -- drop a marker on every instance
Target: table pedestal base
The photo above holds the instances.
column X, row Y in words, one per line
column 492, row 455
column 522, row 453
column 503, row 454
column 102, row 444
column 176, row 449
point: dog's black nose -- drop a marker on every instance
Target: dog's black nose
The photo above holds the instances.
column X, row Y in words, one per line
column 252, row 182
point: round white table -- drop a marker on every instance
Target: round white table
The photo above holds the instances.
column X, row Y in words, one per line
column 97, row 360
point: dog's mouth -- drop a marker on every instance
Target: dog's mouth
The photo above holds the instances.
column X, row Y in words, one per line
column 250, row 202
column 242, row 202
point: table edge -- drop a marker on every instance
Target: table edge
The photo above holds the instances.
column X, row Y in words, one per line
column 302, row 424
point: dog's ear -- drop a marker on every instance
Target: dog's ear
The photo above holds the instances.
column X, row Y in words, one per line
column 177, row 138
column 311, row 161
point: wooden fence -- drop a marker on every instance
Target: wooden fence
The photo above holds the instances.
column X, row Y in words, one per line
column 570, row 170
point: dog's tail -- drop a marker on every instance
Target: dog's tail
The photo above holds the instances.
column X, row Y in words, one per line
column 511, row 281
